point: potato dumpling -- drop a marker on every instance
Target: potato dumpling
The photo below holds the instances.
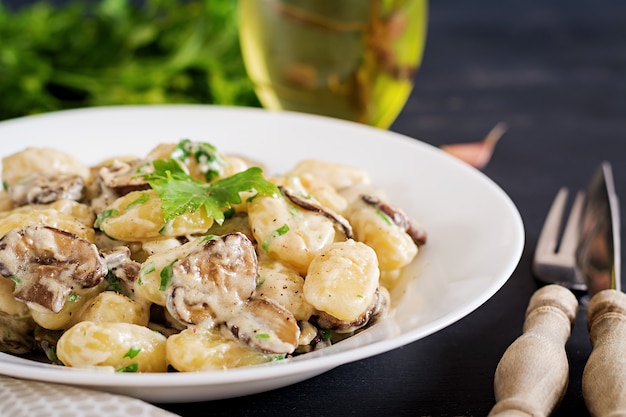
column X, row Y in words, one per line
column 81, row 212
column 137, row 216
column 282, row 284
column 311, row 186
column 6, row 202
column 288, row 233
column 44, row 161
column 109, row 306
column 393, row 246
column 16, row 324
column 8, row 304
column 22, row 217
column 197, row 349
column 343, row 279
column 124, row 346
column 69, row 314
column 338, row 175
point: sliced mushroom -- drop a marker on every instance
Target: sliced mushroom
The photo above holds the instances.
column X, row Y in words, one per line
column 378, row 309
column 123, row 176
column 416, row 232
column 311, row 205
column 41, row 189
column 265, row 326
column 213, row 281
column 116, row 256
column 118, row 179
column 123, row 269
column 118, row 260
column 48, row 264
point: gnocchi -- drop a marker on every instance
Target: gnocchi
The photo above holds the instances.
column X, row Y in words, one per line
column 125, row 347
column 192, row 260
column 196, row 349
column 342, row 280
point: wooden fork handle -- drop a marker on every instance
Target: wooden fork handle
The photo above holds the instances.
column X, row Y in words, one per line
column 532, row 375
column 604, row 377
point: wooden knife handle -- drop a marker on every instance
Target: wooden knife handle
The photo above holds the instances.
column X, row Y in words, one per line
column 532, row 375
column 604, row 377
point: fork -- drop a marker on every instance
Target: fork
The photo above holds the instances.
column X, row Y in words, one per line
column 555, row 262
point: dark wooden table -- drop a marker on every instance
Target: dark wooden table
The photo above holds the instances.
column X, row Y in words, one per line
column 555, row 72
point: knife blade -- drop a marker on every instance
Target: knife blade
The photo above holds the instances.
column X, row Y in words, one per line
column 599, row 244
column 604, row 376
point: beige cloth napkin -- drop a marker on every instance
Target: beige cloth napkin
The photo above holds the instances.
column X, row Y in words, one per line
column 23, row 398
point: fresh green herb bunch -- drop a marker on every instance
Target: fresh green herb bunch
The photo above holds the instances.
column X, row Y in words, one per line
column 110, row 52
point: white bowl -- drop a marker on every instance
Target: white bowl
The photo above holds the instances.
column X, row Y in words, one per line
column 475, row 233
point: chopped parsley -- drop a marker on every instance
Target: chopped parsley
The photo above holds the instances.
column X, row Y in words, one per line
column 103, row 215
column 167, row 226
column 166, row 275
column 278, row 232
column 325, row 333
column 384, row 217
column 51, row 353
column 208, row 237
column 180, row 193
column 113, row 284
column 210, row 161
column 147, row 269
column 132, row 352
column 143, row 198
column 133, row 367
column 282, row 230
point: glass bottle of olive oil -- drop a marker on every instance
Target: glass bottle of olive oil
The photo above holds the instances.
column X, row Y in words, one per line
column 350, row 59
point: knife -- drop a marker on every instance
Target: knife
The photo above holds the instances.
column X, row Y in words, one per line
column 604, row 376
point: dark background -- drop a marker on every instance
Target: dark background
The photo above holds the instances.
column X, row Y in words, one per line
column 555, row 72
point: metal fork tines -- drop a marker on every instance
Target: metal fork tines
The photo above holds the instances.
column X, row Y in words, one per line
column 555, row 260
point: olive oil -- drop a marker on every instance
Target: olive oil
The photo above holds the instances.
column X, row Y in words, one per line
column 350, row 59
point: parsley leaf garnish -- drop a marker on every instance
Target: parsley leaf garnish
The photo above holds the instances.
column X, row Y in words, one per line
column 132, row 352
column 180, row 193
column 133, row 367
column 166, row 275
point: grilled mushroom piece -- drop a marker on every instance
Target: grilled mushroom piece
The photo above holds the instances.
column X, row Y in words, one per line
column 213, row 286
column 121, row 266
column 116, row 180
column 265, row 326
column 41, row 189
column 213, row 281
column 123, row 177
column 307, row 204
column 48, row 264
column 416, row 232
